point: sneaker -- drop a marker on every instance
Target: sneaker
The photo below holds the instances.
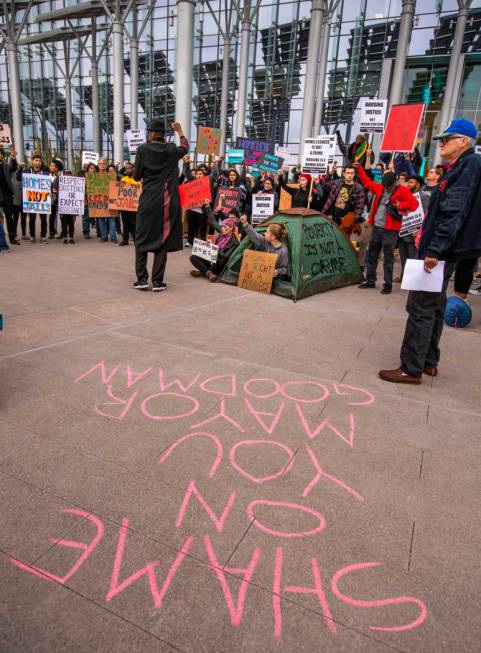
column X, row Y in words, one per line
column 366, row 284
column 187, row 245
column 103, row 240
column 114, row 240
column 65, row 241
column 59, row 237
column 87, row 236
column 24, row 237
column 14, row 241
column 386, row 290
column 6, row 250
column 141, row 285
column 123, row 243
column 158, row 286
column 43, row 241
column 52, row 236
column 476, row 290
column 72, row 241
column 32, row 240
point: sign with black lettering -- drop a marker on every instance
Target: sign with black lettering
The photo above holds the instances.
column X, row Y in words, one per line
column 257, row 271
column 71, row 195
column 5, row 136
column 373, row 115
column 262, row 207
column 318, row 154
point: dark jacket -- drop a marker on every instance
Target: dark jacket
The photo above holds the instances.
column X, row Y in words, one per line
column 401, row 164
column 356, row 197
column 8, row 167
column 452, row 228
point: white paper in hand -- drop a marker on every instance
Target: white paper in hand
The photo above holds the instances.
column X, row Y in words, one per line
column 415, row 277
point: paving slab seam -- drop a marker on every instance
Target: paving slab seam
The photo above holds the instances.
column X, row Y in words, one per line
column 97, row 317
column 237, row 545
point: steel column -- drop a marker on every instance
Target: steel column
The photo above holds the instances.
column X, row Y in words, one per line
column 405, row 29
column 311, row 71
column 15, row 97
column 184, row 64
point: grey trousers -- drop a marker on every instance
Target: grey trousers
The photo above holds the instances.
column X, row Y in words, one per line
column 424, row 327
column 385, row 240
column 407, row 249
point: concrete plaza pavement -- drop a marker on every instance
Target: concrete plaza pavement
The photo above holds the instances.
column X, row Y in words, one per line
column 211, row 469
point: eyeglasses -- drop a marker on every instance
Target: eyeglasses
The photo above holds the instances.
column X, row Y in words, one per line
column 444, row 139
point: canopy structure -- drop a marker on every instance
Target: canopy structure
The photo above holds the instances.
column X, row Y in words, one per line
column 320, row 256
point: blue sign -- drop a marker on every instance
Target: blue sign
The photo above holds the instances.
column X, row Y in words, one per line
column 235, row 156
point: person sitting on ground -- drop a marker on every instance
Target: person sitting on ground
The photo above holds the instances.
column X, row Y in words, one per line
column 345, row 203
column 226, row 242
column 273, row 241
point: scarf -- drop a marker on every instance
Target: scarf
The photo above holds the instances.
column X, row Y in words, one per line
column 224, row 240
column 359, row 152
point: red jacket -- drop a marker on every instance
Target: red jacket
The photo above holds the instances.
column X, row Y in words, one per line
column 401, row 194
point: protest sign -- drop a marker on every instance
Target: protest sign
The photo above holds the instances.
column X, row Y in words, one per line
column 208, row 140
column 285, row 199
column 283, row 152
column 194, row 193
column 90, row 157
column 477, row 149
column 98, row 185
column 135, row 137
column 71, row 195
column 256, row 271
column 373, row 115
column 318, row 153
column 124, row 196
column 235, row 156
column 5, row 135
column 253, row 148
column 412, row 221
column 205, row 249
column 402, row 128
column 270, row 163
column 262, row 207
column 227, row 199
column 36, row 193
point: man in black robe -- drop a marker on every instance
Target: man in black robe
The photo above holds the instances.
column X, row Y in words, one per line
column 159, row 217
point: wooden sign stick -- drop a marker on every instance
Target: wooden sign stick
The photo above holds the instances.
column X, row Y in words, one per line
column 310, row 194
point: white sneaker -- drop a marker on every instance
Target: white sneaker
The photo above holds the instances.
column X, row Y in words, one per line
column 476, row 290
column 187, row 245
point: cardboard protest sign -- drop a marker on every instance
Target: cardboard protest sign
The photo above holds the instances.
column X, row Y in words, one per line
column 285, row 200
column 412, row 221
column 270, row 163
column 98, row 186
column 71, row 195
column 135, row 137
column 402, row 128
column 235, row 156
column 318, row 154
column 208, row 140
column 5, row 136
column 256, row 271
column 227, row 199
column 205, row 249
column 253, row 148
column 90, row 157
column 262, row 207
column 124, row 196
column 194, row 193
column 284, row 153
column 373, row 115
column 36, row 193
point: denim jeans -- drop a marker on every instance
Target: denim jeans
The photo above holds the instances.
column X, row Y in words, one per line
column 86, row 222
column 3, row 240
column 108, row 227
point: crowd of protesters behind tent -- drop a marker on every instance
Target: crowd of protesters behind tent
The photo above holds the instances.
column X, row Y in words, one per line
column 367, row 201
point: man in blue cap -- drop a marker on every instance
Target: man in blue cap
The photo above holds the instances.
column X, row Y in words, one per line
column 451, row 232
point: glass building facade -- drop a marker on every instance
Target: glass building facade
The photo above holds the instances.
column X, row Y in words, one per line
column 362, row 48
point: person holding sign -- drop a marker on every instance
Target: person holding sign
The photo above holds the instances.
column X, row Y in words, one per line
column 7, row 191
column 273, row 241
column 129, row 218
column 159, row 219
column 302, row 196
column 226, row 242
column 37, row 168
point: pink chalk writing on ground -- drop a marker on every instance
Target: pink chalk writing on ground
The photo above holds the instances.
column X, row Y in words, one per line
column 197, row 434
column 266, row 395
column 176, row 383
column 192, row 491
column 162, row 395
column 230, row 392
column 291, row 506
column 235, row 611
column 106, row 377
column 135, row 377
column 317, row 590
column 255, row 443
column 220, row 415
column 81, row 546
column 316, row 384
column 321, row 473
column 257, row 416
column 150, row 570
column 370, row 397
column 116, row 401
column 326, row 424
column 398, row 600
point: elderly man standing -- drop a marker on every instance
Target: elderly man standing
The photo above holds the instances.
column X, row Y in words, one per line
column 159, row 219
column 451, row 232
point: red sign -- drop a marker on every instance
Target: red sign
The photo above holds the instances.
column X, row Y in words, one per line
column 194, row 193
column 402, row 128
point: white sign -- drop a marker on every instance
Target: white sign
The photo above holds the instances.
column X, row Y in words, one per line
column 135, row 137
column 5, row 135
column 36, row 193
column 71, row 195
column 477, row 149
column 373, row 115
column 90, row 157
column 204, row 249
column 262, row 207
column 412, row 221
column 318, row 153
column 283, row 153
column 416, row 278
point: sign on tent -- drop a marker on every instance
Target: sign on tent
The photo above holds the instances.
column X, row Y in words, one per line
column 208, row 140
column 36, row 193
column 257, row 271
column 71, row 195
column 5, row 135
column 205, row 250
column 413, row 220
column 373, row 115
column 402, row 128
column 194, row 193
column 318, row 154
column 262, row 207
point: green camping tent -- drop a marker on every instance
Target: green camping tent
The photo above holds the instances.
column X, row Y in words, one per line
column 320, row 256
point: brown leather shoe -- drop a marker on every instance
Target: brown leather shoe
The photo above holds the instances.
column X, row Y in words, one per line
column 398, row 376
column 195, row 273
column 431, row 371
column 211, row 276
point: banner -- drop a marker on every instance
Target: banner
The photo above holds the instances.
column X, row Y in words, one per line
column 262, row 207
column 135, row 138
column 227, row 199
column 5, row 136
column 98, row 186
column 235, row 157
column 194, row 193
column 318, row 154
column 71, row 195
column 253, row 148
column 208, row 140
column 205, row 249
column 402, row 128
column 270, row 163
column 373, row 115
column 412, row 221
column 36, row 193
column 124, row 196
column 284, row 153
column 256, row 271
column 90, row 157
